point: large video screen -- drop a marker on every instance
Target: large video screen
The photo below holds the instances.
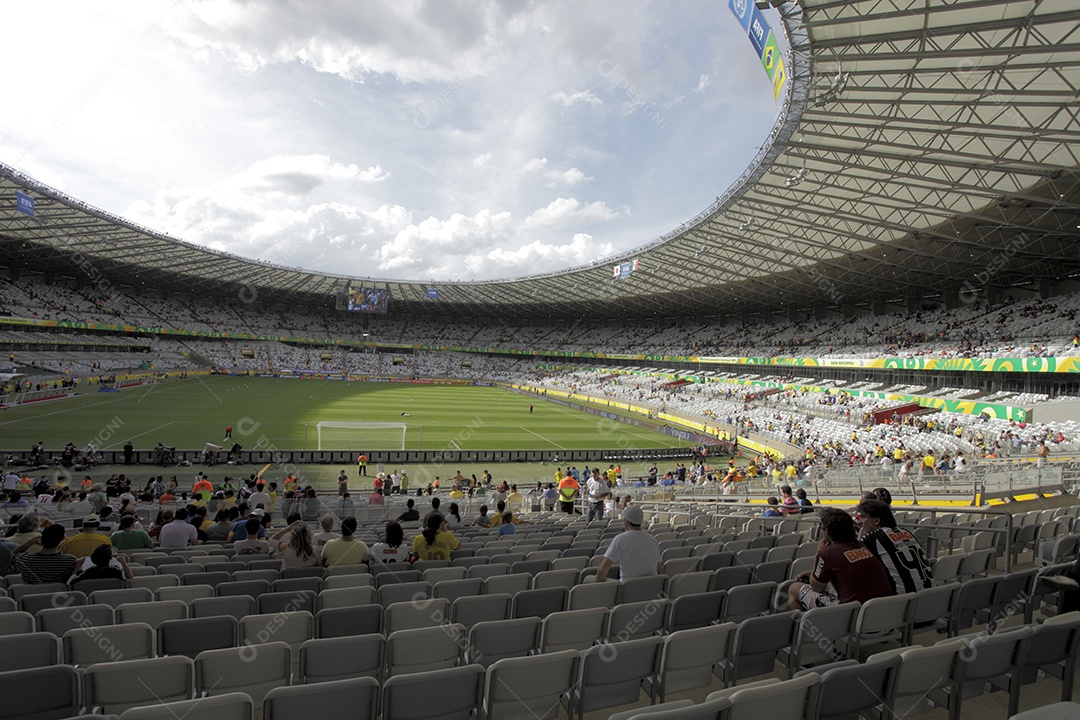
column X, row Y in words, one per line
column 367, row 300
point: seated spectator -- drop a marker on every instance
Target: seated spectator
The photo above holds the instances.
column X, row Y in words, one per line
column 805, row 505
column 80, row 506
column 219, row 529
column 179, row 533
column 295, row 547
column 347, row 549
column 842, row 561
column 83, row 543
column 392, row 549
column 636, row 552
column 128, row 538
column 25, row 529
column 773, row 509
column 48, row 564
column 453, row 517
column 483, row 519
column 434, row 543
column 15, row 503
column 327, row 533
column 410, row 514
column 252, row 544
column 897, row 549
column 507, row 527
column 102, row 565
column 107, row 525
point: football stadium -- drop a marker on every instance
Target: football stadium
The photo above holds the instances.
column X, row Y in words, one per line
column 811, row 453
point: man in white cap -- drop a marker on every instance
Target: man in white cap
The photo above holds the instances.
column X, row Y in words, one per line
column 636, row 552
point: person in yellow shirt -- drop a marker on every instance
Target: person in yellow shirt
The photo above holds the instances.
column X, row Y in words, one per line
column 898, row 454
column 791, row 471
column 435, row 543
column 456, row 493
column 929, row 461
column 83, row 544
column 558, row 475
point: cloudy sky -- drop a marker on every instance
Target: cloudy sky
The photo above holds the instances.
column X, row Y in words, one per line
column 399, row 139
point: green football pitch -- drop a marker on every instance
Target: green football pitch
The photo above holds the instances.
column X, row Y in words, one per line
column 284, row 414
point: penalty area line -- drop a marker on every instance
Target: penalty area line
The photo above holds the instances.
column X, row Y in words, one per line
column 542, row 437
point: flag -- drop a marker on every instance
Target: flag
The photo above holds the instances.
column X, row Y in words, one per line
column 24, row 203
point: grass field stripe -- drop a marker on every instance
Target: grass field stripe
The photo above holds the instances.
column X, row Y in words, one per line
column 65, row 410
column 132, row 437
column 542, row 437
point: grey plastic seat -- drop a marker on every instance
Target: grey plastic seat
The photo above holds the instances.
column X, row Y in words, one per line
column 234, row 606
column 415, row 652
column 58, row 620
column 40, row 693
column 428, row 612
column 689, row 659
column 539, row 603
column 359, row 695
column 161, row 680
column 632, row 621
column 823, row 635
column 756, row 645
column 697, row 610
column 611, row 675
column 468, row 611
column 409, row 696
column 572, row 630
column 253, row 669
column 231, row 706
column 346, row 621
column 195, row 635
column 494, row 640
column 528, row 688
column 29, row 650
column 87, row 646
column 328, row 659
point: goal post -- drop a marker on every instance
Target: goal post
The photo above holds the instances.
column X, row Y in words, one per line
column 337, row 435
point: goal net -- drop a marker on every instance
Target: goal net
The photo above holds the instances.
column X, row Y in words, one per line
column 361, row 435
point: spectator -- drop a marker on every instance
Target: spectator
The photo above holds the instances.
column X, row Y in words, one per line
column 327, row 534
column 311, row 506
column 805, row 504
column 83, row 543
column 507, row 526
column 453, row 517
column 842, row 561
column 898, row 550
column 347, row 549
column 410, row 514
column 15, row 503
column 25, row 529
column 636, row 552
column 392, row 549
column 260, row 498
column 296, row 549
column 48, row 564
column 435, row 542
column 219, row 530
column 128, row 538
column 252, row 544
column 483, row 519
column 103, row 566
column 80, row 506
column 773, row 509
column 179, row 533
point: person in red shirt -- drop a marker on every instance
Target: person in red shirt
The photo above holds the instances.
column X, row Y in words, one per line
column 843, row 562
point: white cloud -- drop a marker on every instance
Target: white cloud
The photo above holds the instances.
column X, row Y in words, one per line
column 578, row 97
column 563, row 212
column 537, row 166
column 292, row 135
column 703, row 83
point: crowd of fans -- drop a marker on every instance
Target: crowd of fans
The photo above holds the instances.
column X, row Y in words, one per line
column 1019, row 327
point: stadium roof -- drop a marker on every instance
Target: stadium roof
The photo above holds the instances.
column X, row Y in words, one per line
column 925, row 148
